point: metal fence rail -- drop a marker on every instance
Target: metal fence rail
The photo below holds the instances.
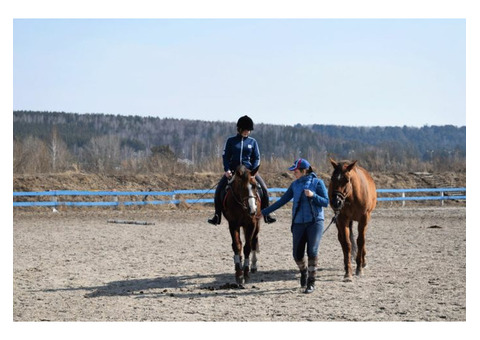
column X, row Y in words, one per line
column 172, row 196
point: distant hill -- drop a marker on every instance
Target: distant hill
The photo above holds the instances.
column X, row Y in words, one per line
column 125, row 139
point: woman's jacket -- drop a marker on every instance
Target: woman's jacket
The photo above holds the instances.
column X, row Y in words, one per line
column 304, row 209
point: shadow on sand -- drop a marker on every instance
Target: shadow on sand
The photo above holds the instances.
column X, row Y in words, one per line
column 186, row 286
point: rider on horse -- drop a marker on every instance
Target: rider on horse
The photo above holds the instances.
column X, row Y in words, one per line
column 240, row 149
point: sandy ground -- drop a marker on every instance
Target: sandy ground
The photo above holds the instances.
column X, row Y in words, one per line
column 75, row 266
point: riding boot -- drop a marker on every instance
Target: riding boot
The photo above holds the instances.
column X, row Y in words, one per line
column 217, row 219
column 265, row 200
column 310, row 285
column 264, row 204
column 312, row 271
column 303, row 272
column 303, row 278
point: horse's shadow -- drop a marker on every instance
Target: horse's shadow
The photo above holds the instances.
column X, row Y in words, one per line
column 186, row 286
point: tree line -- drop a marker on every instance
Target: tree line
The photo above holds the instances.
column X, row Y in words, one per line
column 46, row 142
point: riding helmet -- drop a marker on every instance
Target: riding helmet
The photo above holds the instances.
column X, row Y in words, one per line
column 245, row 123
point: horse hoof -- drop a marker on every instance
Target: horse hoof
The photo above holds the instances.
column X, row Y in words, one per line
column 240, row 280
column 348, row 278
column 254, row 270
column 359, row 272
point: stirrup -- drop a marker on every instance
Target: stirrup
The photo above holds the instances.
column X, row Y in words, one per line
column 215, row 220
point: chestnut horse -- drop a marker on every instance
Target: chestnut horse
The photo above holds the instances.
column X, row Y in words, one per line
column 353, row 196
column 241, row 204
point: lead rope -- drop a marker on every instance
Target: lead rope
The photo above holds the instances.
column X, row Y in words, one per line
column 334, row 219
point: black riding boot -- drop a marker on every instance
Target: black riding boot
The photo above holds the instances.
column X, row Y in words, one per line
column 303, row 272
column 312, row 271
column 268, row 218
column 310, row 285
column 217, row 219
column 265, row 200
column 303, row 278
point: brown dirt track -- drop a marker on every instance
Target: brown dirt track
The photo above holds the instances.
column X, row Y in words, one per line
column 74, row 266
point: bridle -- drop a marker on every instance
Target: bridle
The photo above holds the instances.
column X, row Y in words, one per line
column 247, row 200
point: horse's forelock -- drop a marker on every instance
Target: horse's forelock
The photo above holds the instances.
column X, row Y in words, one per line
column 339, row 172
column 242, row 173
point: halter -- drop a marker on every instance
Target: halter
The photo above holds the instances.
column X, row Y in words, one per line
column 343, row 195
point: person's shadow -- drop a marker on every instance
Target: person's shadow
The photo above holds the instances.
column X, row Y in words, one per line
column 169, row 285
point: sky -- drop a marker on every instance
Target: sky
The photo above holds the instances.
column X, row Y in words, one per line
column 357, row 72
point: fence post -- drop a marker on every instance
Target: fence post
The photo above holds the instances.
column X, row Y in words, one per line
column 115, row 199
column 403, row 201
column 55, row 199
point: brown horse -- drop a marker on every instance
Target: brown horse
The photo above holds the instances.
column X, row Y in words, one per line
column 353, row 196
column 241, row 204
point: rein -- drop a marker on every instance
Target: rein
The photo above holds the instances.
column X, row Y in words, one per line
column 238, row 201
column 243, row 204
column 214, row 186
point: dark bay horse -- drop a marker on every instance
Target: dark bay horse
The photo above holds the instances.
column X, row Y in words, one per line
column 353, row 196
column 241, row 204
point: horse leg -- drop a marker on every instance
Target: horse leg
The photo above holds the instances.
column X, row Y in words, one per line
column 352, row 242
column 362, row 251
column 344, row 238
column 247, row 248
column 237, row 250
column 254, row 267
column 255, row 250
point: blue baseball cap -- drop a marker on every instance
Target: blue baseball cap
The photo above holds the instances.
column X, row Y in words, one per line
column 299, row 164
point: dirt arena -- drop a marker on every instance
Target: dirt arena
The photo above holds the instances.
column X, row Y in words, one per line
column 75, row 266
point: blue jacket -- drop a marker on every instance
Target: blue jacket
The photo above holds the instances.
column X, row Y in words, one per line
column 241, row 150
column 304, row 210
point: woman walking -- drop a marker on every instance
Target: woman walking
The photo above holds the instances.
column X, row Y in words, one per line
column 309, row 198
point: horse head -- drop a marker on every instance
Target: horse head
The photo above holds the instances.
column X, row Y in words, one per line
column 340, row 187
column 245, row 188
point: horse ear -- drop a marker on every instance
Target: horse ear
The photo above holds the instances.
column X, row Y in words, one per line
column 254, row 171
column 334, row 164
column 351, row 166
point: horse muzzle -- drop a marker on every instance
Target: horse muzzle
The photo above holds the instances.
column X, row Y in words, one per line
column 338, row 201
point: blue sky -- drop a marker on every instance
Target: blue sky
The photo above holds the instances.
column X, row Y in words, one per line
column 362, row 72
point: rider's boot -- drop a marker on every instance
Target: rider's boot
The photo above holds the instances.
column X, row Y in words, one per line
column 215, row 220
column 265, row 202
